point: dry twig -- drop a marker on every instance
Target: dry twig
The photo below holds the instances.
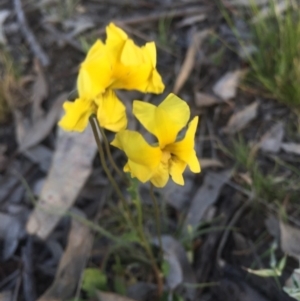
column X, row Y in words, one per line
column 29, row 36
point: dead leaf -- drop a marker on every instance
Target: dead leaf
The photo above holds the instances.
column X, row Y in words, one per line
column 246, row 178
column 189, row 60
column 272, row 225
column 78, row 25
column 10, row 233
column 292, row 285
column 3, row 16
column 39, row 92
column 102, row 296
column 40, row 130
column 40, row 155
column 205, row 100
column 179, row 196
column 71, row 166
column 293, row 148
column 188, row 21
column 205, row 197
column 207, row 163
column 271, row 140
column 240, row 119
column 180, row 270
column 290, row 240
column 72, row 263
column 226, row 86
column 6, row 296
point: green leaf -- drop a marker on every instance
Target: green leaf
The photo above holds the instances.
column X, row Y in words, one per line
column 265, row 272
column 93, row 279
column 165, row 267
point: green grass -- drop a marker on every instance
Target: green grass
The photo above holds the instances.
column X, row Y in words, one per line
column 276, row 63
column 267, row 185
column 9, row 84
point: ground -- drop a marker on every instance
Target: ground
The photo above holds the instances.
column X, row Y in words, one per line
column 241, row 212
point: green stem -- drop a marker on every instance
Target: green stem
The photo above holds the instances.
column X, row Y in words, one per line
column 157, row 217
column 107, row 171
column 147, row 246
column 109, row 155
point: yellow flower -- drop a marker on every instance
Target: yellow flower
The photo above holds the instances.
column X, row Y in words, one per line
column 117, row 64
column 170, row 157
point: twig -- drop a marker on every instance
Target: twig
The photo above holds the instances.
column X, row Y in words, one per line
column 29, row 36
column 64, row 37
column 175, row 13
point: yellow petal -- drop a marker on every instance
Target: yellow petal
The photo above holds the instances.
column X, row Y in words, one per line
column 130, row 77
column 95, row 73
column 155, row 83
column 161, row 175
column 149, row 51
column 164, row 121
column 184, row 149
column 143, row 159
column 177, row 168
column 96, row 49
column 77, row 115
column 115, row 36
column 111, row 112
column 131, row 54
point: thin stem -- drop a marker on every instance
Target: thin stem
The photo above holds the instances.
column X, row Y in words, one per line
column 109, row 155
column 107, row 171
column 147, row 247
column 157, row 217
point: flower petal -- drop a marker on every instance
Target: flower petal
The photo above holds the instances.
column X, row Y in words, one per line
column 161, row 176
column 143, row 159
column 77, row 115
column 154, row 83
column 177, row 168
column 115, row 40
column 95, row 73
column 111, row 112
column 184, row 149
column 131, row 77
column 164, row 121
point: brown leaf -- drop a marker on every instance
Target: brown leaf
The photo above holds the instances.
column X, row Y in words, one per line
column 39, row 91
column 271, row 140
column 293, row 148
column 189, row 60
column 207, row 163
column 71, row 166
column 102, row 296
column 188, row 21
column 40, row 130
column 205, row 100
column 206, row 196
column 71, row 264
column 240, row 119
column 226, row 86
column 3, row 16
column 290, row 240
column 180, row 270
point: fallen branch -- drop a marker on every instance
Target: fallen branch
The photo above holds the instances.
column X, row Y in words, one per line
column 29, row 36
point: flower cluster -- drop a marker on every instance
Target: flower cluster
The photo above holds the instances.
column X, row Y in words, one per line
column 117, row 64
column 120, row 64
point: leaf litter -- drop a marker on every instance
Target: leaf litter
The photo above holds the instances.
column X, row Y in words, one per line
column 202, row 198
